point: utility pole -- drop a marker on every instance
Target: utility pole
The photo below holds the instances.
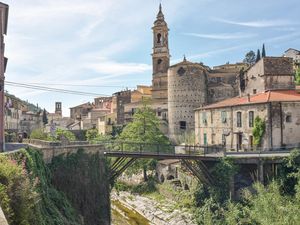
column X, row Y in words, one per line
column 3, row 61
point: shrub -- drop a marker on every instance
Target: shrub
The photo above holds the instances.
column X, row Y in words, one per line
column 39, row 134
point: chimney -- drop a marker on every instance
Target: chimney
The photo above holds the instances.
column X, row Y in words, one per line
column 248, row 97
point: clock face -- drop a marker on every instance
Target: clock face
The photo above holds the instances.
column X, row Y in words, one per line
column 181, row 71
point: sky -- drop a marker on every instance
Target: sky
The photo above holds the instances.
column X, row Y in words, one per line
column 104, row 46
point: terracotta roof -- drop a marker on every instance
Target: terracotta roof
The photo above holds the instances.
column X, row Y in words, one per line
column 268, row 96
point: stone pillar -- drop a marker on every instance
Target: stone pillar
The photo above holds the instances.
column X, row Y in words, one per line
column 231, row 187
column 260, row 171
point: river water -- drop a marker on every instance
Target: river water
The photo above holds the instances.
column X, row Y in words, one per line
column 121, row 215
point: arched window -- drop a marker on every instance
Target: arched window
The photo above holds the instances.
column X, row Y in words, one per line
column 159, row 61
column 158, row 38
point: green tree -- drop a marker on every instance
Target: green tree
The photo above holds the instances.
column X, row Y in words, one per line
column 91, row 134
column 145, row 129
column 297, row 76
column 249, row 58
column 263, row 52
column 45, row 119
column 258, row 55
column 258, row 130
column 39, row 134
column 59, row 134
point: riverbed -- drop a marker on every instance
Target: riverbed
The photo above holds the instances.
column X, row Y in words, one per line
column 129, row 209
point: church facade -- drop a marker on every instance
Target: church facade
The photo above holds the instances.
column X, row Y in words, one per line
column 177, row 90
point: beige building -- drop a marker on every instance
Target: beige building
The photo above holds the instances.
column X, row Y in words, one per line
column 139, row 96
column 269, row 73
column 267, row 90
column 106, row 123
column 192, row 85
column 295, row 55
column 230, row 122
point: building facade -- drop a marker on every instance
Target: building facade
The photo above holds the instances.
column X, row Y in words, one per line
column 230, row 122
column 267, row 91
column 3, row 62
column 269, row 73
column 295, row 55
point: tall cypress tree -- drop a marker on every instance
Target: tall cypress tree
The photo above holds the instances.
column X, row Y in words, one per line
column 45, row 119
column 263, row 53
column 257, row 56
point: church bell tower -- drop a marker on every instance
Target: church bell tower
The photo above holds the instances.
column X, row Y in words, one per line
column 160, row 58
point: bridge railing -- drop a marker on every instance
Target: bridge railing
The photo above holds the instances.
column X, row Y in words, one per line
column 159, row 149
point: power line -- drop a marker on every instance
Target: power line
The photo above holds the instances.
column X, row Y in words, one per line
column 80, row 85
column 58, row 90
column 48, row 89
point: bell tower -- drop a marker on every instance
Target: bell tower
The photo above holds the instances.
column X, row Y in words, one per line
column 160, row 58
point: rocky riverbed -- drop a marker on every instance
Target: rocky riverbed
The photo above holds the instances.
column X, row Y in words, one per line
column 154, row 212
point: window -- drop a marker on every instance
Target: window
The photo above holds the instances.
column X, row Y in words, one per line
column 159, row 61
column 205, row 139
column 213, row 136
column 254, row 91
column 204, row 118
column 251, row 142
column 158, row 38
column 251, row 119
column 239, row 119
column 288, row 118
column 224, row 116
column 182, row 125
column 223, row 140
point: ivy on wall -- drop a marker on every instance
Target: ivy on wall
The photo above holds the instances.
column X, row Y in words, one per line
column 258, row 130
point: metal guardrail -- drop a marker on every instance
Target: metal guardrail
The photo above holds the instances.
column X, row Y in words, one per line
column 160, row 149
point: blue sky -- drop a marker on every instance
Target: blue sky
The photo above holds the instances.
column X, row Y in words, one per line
column 108, row 43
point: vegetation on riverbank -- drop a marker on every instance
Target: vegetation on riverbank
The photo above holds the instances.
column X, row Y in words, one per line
column 27, row 196
column 277, row 203
column 69, row 191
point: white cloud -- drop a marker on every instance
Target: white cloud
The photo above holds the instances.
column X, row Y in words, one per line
column 115, row 68
column 222, row 36
column 258, row 23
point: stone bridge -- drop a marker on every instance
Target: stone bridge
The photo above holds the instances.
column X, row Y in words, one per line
column 199, row 160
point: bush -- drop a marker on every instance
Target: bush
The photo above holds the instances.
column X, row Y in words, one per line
column 39, row 134
column 17, row 195
column 93, row 136
column 59, row 134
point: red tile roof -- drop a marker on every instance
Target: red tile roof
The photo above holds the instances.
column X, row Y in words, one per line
column 268, row 96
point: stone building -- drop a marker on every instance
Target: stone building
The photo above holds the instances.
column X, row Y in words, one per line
column 295, row 55
column 3, row 62
column 269, row 73
column 230, row 122
column 160, row 58
column 178, row 89
column 160, row 63
column 30, row 121
column 267, row 90
column 187, row 85
column 119, row 100
column 191, row 85
column 80, row 111
column 139, row 96
column 13, row 113
column 106, row 123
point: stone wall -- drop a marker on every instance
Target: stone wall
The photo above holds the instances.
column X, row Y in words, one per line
column 270, row 73
column 187, row 90
column 282, row 125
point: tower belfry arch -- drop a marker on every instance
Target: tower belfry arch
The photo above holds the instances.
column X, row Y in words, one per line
column 160, row 59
